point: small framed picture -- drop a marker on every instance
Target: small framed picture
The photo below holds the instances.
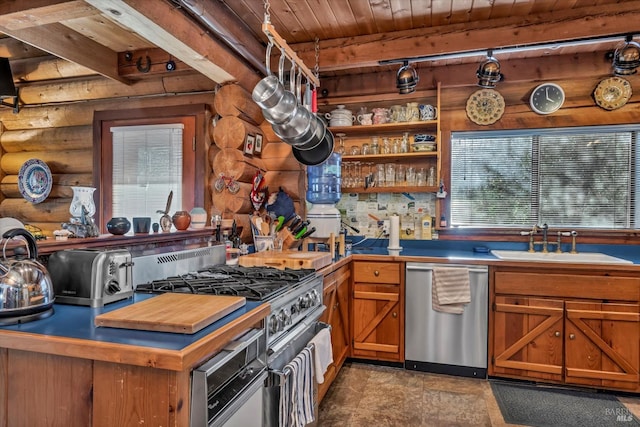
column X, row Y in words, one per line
column 249, row 144
column 257, row 147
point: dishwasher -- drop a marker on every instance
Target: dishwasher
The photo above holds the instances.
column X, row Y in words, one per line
column 445, row 343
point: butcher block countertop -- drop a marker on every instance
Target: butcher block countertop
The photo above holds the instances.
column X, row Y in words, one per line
column 71, row 332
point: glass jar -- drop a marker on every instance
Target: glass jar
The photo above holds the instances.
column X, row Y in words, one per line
column 404, row 145
column 375, row 148
column 386, row 146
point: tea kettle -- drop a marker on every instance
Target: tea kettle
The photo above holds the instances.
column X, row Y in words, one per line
column 25, row 285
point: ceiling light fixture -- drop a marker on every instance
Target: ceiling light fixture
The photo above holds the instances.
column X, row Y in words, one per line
column 626, row 58
column 7, row 87
column 489, row 72
column 407, row 79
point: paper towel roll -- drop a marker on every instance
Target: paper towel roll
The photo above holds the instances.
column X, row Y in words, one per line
column 394, row 233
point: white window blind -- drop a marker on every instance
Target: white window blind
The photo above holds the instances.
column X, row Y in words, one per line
column 147, row 165
column 563, row 177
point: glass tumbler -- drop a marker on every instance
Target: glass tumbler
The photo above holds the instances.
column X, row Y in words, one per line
column 400, row 174
column 366, row 150
column 380, row 175
column 421, row 177
column 411, row 175
column 390, row 175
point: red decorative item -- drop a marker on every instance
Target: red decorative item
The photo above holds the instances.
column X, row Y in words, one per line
column 314, row 100
column 259, row 191
column 181, row 220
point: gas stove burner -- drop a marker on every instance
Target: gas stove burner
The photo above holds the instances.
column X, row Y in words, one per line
column 253, row 283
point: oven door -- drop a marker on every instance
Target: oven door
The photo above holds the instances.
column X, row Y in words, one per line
column 227, row 389
column 279, row 356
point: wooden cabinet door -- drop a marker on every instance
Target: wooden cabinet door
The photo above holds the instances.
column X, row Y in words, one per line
column 376, row 320
column 528, row 338
column 602, row 344
column 336, row 299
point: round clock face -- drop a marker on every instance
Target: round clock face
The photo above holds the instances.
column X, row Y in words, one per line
column 546, row 98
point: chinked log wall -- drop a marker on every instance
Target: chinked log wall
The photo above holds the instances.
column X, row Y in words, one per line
column 239, row 117
column 55, row 125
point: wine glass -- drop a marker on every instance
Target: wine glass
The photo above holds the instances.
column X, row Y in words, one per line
column 341, row 149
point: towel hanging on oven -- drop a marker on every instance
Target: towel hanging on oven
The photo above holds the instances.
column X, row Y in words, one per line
column 296, row 391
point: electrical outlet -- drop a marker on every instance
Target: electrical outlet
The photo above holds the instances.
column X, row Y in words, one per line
column 385, row 227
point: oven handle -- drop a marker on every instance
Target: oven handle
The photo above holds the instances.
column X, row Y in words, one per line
column 298, row 330
column 286, row 371
column 230, row 350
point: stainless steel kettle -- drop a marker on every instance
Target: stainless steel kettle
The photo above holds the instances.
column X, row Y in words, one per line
column 25, row 285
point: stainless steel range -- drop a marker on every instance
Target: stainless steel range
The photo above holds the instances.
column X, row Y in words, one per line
column 295, row 297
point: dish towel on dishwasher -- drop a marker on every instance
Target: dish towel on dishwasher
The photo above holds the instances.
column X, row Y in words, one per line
column 323, row 353
column 450, row 290
column 296, row 391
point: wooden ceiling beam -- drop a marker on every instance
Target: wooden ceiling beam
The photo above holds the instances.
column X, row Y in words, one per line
column 65, row 43
column 167, row 27
column 366, row 51
column 18, row 15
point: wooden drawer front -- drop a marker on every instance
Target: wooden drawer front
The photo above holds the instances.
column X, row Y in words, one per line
column 568, row 285
column 376, row 272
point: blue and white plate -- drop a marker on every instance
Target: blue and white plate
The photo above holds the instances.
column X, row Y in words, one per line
column 35, row 180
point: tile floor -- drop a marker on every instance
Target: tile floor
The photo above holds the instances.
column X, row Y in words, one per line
column 377, row 396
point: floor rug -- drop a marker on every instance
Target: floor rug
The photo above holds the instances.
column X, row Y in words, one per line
column 543, row 406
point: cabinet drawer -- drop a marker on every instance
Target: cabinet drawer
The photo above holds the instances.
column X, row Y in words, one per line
column 603, row 287
column 376, row 272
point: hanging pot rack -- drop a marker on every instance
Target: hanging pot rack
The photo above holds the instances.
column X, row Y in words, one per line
column 285, row 49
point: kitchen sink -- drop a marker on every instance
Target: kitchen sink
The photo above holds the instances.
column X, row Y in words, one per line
column 583, row 257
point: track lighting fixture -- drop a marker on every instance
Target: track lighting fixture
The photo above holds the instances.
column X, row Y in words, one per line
column 407, row 79
column 489, row 72
column 626, row 58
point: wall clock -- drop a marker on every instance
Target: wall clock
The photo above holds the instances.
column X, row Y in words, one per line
column 547, row 98
column 612, row 93
column 485, row 106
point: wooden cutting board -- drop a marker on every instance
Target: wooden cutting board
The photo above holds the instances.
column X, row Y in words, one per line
column 286, row 259
column 172, row 312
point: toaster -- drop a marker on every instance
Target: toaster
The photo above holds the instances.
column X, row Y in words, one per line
column 91, row 277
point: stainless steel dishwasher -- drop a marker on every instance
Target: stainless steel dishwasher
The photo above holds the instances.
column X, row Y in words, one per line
column 454, row 344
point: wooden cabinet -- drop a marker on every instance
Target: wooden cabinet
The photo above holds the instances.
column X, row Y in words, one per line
column 378, row 311
column 584, row 331
column 336, row 299
column 358, row 135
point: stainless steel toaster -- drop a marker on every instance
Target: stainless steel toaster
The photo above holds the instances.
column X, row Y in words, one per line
column 91, row 277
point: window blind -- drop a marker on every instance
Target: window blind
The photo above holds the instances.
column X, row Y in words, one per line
column 563, row 177
column 147, row 165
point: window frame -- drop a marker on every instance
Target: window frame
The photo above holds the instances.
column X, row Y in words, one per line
column 194, row 117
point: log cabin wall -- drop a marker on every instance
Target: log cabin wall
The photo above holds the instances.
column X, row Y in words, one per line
column 57, row 103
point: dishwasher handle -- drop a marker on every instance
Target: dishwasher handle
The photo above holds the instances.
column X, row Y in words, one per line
column 429, row 267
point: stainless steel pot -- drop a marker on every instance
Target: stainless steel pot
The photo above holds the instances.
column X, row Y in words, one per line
column 25, row 284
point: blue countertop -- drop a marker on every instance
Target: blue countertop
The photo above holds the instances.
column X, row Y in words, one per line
column 467, row 250
column 74, row 321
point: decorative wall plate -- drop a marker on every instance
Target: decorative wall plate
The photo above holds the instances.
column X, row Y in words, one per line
column 34, row 180
column 612, row 93
column 485, row 106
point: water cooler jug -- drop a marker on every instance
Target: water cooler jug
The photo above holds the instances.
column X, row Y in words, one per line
column 323, row 192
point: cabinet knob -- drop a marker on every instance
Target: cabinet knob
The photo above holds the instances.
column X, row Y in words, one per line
column 572, row 336
column 335, row 306
column 376, row 273
column 394, row 314
column 557, row 333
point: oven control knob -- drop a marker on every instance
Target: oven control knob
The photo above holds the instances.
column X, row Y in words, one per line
column 300, row 303
column 273, row 324
column 315, row 297
column 112, row 287
column 306, row 303
column 295, row 308
column 284, row 318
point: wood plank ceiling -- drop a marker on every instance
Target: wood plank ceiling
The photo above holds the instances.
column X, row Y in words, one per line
column 352, row 35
